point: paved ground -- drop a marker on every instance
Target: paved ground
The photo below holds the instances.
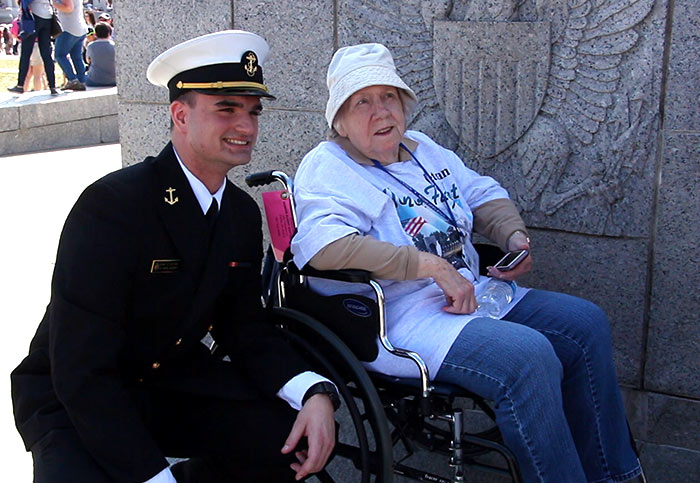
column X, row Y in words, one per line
column 36, row 193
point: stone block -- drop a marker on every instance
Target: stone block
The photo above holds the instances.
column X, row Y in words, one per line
column 64, row 109
column 673, row 365
column 673, row 421
column 285, row 137
column 301, row 41
column 144, row 130
column 146, row 31
column 591, row 268
column 9, row 118
column 45, row 138
column 683, row 69
column 109, row 129
column 670, row 464
column 637, row 411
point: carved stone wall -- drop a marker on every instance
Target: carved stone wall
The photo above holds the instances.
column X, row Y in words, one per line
column 584, row 109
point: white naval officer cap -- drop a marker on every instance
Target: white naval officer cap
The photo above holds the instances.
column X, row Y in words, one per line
column 222, row 63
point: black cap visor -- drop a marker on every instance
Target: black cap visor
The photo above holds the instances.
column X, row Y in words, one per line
column 229, row 79
column 232, row 92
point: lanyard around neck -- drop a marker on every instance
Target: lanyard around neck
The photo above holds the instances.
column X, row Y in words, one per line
column 449, row 216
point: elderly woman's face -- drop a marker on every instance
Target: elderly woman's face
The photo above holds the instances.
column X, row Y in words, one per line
column 374, row 122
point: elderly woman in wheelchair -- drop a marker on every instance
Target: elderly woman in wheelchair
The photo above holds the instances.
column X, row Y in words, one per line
column 378, row 197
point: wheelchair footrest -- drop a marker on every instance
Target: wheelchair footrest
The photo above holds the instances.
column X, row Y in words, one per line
column 418, row 475
column 439, row 388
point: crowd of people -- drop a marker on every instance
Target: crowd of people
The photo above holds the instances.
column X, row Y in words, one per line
column 84, row 51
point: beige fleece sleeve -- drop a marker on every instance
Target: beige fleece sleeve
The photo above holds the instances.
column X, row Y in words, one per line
column 497, row 220
column 384, row 260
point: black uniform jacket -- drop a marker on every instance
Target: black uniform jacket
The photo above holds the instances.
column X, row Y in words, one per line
column 138, row 282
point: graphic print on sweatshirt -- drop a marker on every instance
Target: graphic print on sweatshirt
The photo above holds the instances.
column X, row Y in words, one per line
column 429, row 231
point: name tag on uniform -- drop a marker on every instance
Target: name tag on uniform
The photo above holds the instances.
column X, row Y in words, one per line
column 166, row 266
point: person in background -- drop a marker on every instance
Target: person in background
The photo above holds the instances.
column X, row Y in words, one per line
column 109, row 20
column 42, row 11
column 106, row 18
column 70, row 43
column 90, row 18
column 100, row 56
column 14, row 31
column 35, row 74
column 7, row 40
column 100, row 5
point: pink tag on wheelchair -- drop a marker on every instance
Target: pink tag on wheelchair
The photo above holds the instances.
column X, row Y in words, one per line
column 278, row 213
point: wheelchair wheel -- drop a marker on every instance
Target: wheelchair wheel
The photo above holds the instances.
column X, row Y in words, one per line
column 364, row 447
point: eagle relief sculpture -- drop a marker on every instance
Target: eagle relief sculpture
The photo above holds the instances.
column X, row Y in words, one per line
column 531, row 89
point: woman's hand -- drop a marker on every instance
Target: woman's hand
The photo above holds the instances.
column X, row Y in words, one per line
column 459, row 291
column 517, row 241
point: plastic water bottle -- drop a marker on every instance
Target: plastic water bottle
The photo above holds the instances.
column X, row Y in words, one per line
column 495, row 296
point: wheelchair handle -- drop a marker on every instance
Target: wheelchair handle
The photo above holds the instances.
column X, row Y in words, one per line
column 260, row 179
column 266, row 177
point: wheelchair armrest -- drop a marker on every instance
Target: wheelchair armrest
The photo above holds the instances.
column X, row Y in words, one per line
column 363, row 276
column 346, row 275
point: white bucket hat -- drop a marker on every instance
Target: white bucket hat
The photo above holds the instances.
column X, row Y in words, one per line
column 359, row 66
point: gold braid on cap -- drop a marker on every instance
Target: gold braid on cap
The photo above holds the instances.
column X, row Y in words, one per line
column 220, row 85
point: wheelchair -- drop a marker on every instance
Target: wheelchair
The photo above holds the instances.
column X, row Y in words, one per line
column 383, row 419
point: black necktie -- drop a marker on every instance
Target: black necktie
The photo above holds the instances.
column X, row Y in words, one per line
column 211, row 213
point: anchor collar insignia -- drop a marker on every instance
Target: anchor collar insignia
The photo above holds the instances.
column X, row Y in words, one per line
column 170, row 199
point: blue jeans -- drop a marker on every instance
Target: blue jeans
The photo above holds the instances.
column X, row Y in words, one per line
column 68, row 44
column 548, row 368
column 43, row 33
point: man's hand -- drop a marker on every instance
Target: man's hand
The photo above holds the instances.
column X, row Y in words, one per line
column 459, row 291
column 315, row 421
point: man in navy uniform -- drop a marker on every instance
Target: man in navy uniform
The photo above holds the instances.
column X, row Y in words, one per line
column 151, row 259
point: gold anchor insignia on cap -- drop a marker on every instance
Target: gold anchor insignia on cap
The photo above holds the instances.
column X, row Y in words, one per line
column 251, row 67
column 172, row 200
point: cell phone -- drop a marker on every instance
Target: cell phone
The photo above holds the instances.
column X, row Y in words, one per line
column 511, row 260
